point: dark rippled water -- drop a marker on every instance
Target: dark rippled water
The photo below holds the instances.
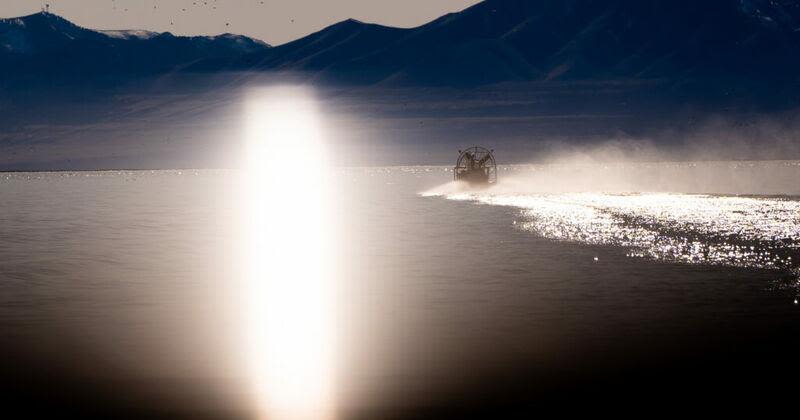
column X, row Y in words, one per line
column 119, row 292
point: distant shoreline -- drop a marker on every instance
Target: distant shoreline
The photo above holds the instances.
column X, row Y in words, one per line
column 441, row 165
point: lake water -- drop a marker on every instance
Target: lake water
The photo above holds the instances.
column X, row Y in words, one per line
column 560, row 288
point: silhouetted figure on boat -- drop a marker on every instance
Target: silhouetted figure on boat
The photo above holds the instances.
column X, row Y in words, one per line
column 476, row 166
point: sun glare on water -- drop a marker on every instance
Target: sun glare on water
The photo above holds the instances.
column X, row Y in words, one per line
column 288, row 286
column 753, row 232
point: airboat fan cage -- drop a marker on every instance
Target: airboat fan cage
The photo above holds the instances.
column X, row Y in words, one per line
column 476, row 165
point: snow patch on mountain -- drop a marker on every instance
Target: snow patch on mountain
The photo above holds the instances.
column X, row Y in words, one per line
column 129, row 34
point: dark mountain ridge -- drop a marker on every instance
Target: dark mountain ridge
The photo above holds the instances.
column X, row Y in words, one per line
column 726, row 44
column 516, row 40
column 44, row 48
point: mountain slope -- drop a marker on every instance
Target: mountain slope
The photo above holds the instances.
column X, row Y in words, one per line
column 712, row 48
column 315, row 53
column 523, row 40
column 39, row 33
column 46, row 47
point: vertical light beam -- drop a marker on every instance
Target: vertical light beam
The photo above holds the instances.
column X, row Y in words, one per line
column 289, row 285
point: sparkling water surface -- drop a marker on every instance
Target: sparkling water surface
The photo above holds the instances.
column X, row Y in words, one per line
column 131, row 278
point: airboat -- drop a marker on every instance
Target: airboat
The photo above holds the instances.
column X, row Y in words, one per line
column 476, row 166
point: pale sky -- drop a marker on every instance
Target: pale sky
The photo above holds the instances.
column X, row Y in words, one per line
column 273, row 21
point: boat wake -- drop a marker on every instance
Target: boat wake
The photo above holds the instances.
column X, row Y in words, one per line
column 742, row 231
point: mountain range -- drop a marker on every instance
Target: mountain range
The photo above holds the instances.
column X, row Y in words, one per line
column 524, row 76
column 542, row 40
column 720, row 44
column 43, row 48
